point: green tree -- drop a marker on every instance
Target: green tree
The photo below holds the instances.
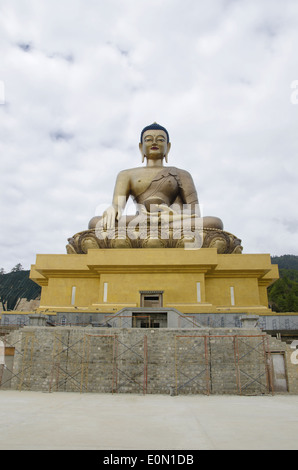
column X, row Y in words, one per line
column 283, row 294
column 18, row 267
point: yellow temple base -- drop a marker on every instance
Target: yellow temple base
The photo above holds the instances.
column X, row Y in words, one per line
column 191, row 281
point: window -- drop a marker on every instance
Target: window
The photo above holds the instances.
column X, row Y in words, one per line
column 151, row 299
column 73, row 295
column 232, row 296
column 105, row 291
column 198, row 292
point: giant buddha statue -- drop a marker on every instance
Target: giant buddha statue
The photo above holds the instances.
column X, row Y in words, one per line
column 167, row 208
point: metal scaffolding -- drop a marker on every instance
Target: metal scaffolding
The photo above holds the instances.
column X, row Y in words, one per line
column 192, row 370
column 74, row 361
column 105, row 370
column 77, row 360
column 133, row 377
column 201, row 366
column 260, row 349
column 99, row 363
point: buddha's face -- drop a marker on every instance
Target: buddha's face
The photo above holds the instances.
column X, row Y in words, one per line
column 155, row 145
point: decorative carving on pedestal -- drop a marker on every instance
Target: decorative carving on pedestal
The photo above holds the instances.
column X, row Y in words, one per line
column 224, row 242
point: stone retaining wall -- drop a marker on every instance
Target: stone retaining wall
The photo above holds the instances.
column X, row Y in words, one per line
column 138, row 360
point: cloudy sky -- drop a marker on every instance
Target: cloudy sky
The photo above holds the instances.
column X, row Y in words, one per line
column 79, row 79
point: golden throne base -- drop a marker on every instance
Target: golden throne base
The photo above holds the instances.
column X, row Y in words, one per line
column 224, row 242
column 191, row 281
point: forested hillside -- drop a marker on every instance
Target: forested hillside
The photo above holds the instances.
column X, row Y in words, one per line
column 17, row 285
column 283, row 294
column 286, row 261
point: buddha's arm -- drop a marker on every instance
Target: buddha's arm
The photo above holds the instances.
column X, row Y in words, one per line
column 121, row 194
column 188, row 191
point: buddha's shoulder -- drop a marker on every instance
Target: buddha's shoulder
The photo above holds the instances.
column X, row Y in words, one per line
column 135, row 171
column 179, row 171
column 127, row 172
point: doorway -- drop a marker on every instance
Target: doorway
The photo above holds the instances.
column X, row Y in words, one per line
column 280, row 383
column 149, row 319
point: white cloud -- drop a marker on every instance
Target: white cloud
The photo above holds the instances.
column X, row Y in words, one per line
column 83, row 78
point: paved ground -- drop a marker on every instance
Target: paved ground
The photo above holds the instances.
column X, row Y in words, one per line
column 35, row 420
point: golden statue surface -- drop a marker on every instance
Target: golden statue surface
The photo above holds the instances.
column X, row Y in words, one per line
column 167, row 208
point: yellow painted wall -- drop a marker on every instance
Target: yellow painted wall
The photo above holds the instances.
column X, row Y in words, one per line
column 59, row 292
column 174, row 271
column 125, row 288
column 263, row 294
column 246, row 292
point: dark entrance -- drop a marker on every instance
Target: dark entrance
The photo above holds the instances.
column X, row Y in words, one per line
column 149, row 319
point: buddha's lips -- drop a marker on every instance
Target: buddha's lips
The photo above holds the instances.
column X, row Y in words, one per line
column 154, row 148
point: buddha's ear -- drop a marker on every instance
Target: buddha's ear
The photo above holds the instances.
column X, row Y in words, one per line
column 141, row 150
column 168, row 149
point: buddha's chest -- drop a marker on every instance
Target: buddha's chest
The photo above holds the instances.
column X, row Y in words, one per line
column 142, row 179
column 160, row 183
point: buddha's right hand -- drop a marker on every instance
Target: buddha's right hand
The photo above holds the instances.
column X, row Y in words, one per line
column 109, row 217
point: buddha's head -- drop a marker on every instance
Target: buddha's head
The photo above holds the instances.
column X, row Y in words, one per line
column 154, row 142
